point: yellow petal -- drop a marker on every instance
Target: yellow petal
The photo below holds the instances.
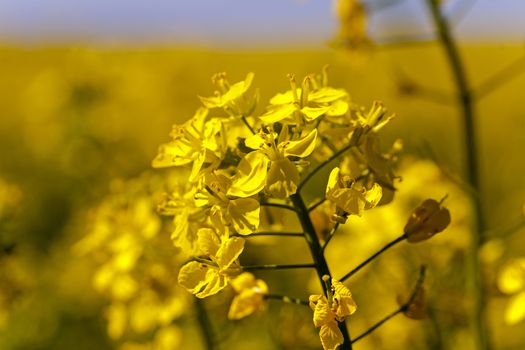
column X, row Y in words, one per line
column 338, row 108
column 192, row 276
column 327, row 95
column 214, row 283
column 512, row 277
column 322, row 312
column 251, row 175
column 301, row 148
column 208, row 241
column 278, row 113
column 373, row 196
column 117, row 320
column 331, row 336
column 312, row 113
column 168, row 338
column 283, row 178
column 230, row 250
column 245, row 280
column 284, row 98
column 346, row 305
column 515, row 311
column 245, row 215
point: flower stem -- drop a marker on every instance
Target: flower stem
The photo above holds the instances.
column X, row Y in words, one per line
column 316, row 250
column 472, row 172
column 375, row 255
column 323, row 164
column 278, row 205
column 401, row 309
column 282, row 234
column 277, row 267
column 204, row 323
column 330, row 235
column 286, row 299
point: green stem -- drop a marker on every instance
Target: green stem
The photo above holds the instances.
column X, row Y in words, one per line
column 465, row 99
column 330, row 235
column 371, row 258
column 286, row 299
column 204, row 323
column 323, row 164
column 402, row 308
column 377, row 325
column 277, row 205
column 316, row 250
column 281, row 234
column 277, row 267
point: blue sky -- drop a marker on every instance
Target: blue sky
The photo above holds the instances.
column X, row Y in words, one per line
column 232, row 22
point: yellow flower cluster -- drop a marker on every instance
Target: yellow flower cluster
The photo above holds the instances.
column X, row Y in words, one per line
column 239, row 160
column 136, row 266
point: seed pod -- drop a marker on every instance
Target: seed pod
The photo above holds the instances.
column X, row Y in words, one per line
column 426, row 220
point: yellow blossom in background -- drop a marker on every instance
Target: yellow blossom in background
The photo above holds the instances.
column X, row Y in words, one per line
column 249, row 296
column 137, row 268
column 511, row 281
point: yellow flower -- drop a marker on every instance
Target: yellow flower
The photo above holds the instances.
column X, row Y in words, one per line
column 349, row 196
column 309, row 102
column 187, row 217
column 329, row 311
column 352, row 25
column 269, row 166
column 224, row 209
column 375, row 119
column 232, row 98
column 205, row 278
column 249, row 296
column 427, row 220
column 511, row 280
column 197, row 141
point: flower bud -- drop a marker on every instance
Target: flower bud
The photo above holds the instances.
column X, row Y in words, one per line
column 426, row 220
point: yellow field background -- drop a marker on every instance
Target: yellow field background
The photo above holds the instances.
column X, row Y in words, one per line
column 72, row 119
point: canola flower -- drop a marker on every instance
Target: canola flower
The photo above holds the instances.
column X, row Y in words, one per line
column 240, row 161
column 136, row 267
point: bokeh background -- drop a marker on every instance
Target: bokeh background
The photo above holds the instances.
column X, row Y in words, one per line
column 89, row 89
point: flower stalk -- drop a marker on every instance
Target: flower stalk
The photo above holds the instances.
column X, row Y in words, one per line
column 465, row 99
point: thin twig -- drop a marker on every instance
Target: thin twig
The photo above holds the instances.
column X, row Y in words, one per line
column 330, row 235
column 506, row 74
column 205, row 324
column 278, row 205
column 371, row 258
column 323, row 164
column 401, row 309
column 479, row 297
column 243, row 118
column 316, row 204
column 286, row 299
column 277, row 267
column 283, row 234
column 459, row 11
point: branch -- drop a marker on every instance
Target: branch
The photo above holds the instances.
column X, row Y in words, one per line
column 506, row 74
column 283, row 234
column 375, row 255
column 277, row 267
column 286, row 299
column 401, row 309
column 330, row 235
